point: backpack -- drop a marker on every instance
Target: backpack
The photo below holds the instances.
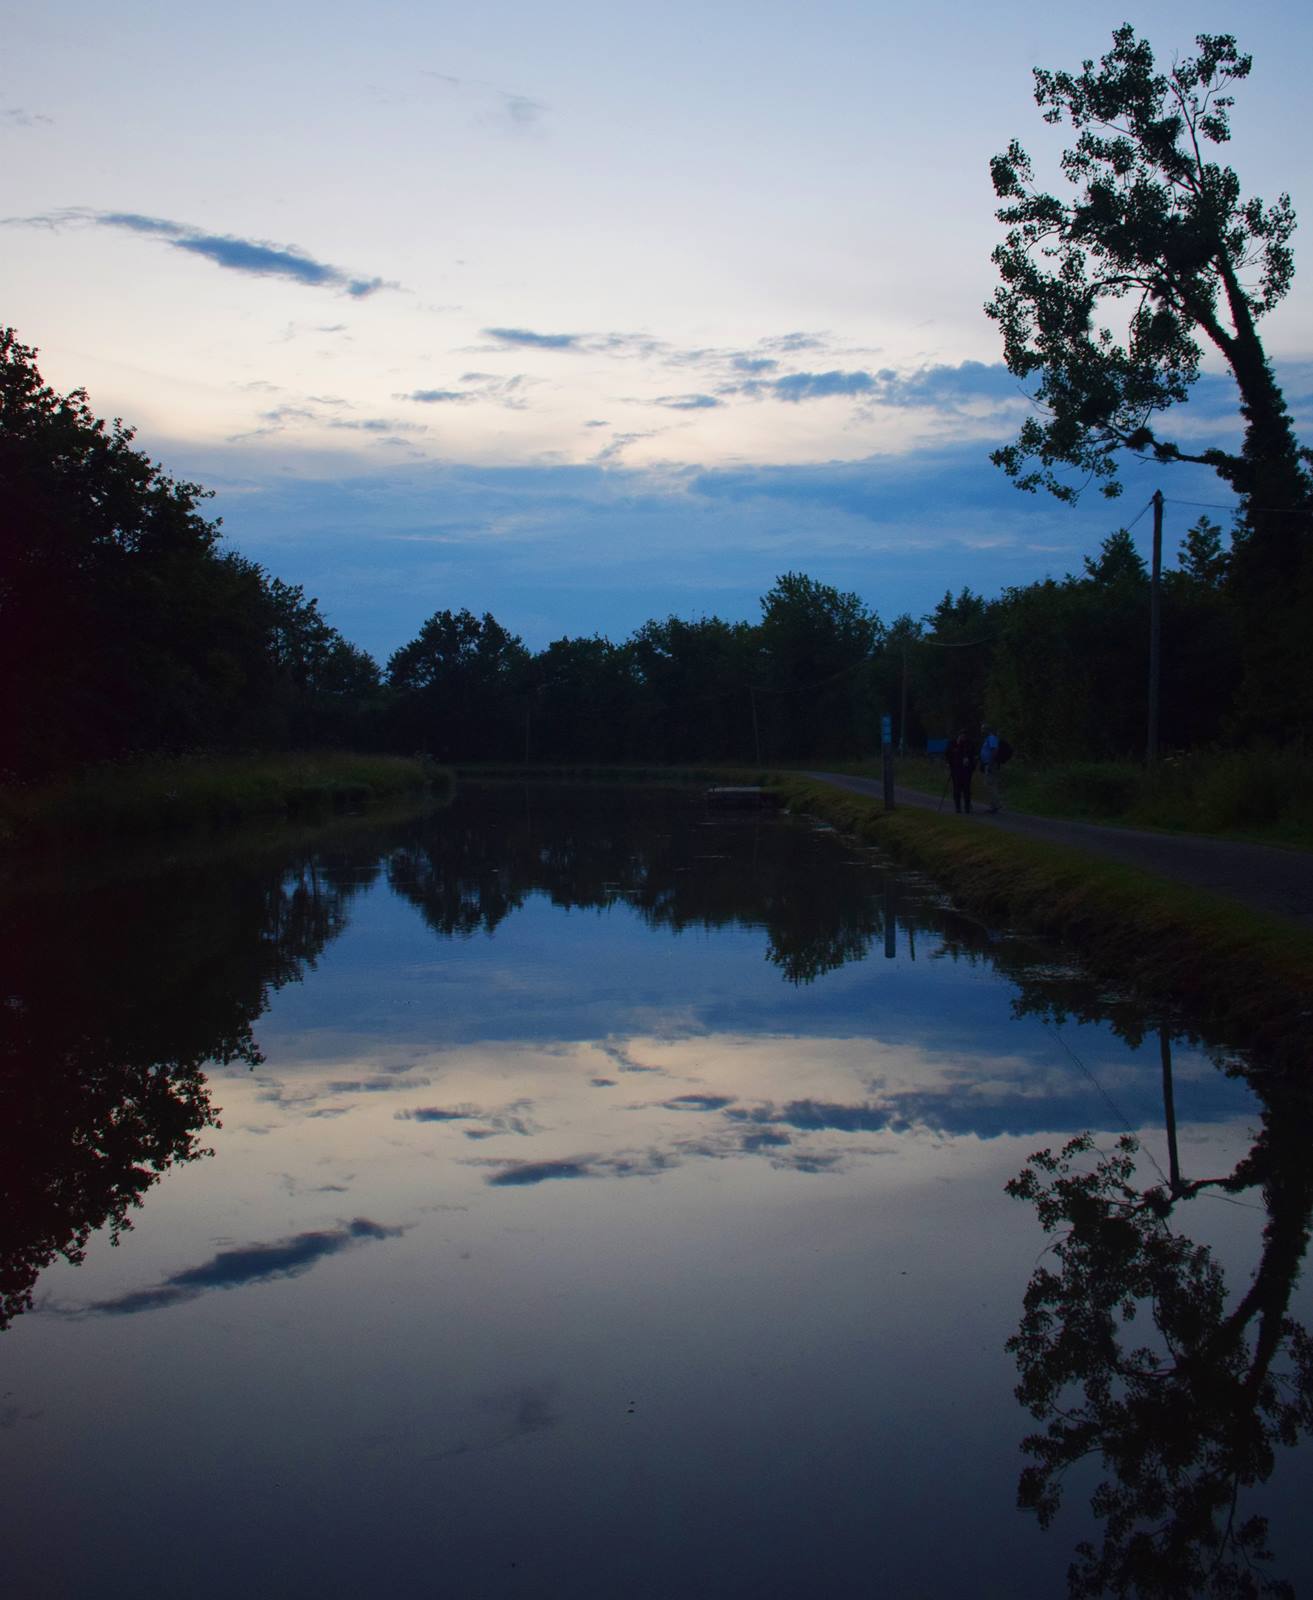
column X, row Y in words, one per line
column 1004, row 752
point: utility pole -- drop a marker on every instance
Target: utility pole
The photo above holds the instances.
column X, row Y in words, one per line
column 902, row 712
column 1155, row 626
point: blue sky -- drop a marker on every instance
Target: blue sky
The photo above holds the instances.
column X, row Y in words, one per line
column 582, row 314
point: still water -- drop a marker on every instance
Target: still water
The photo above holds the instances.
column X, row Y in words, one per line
column 578, row 1193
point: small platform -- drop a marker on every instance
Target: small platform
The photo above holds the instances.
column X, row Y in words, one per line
column 743, row 795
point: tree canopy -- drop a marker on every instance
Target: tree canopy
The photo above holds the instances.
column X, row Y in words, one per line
column 1111, row 297
column 1114, row 296
column 125, row 627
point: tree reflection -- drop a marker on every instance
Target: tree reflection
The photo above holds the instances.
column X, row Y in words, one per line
column 1132, row 1352
column 657, row 852
column 117, row 994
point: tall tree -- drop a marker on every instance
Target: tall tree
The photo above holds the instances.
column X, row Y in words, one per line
column 1111, row 298
column 1164, row 235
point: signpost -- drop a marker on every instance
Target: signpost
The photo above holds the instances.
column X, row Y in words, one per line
column 887, row 759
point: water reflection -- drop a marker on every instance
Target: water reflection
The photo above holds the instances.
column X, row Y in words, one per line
column 1132, row 1351
column 810, row 1072
column 664, row 856
column 118, row 992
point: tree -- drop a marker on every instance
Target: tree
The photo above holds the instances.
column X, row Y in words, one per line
column 815, row 643
column 1203, row 560
column 955, row 662
column 123, row 626
column 579, row 695
column 1129, row 1351
column 1111, row 299
column 695, row 699
column 455, row 684
column 1163, row 235
column 1118, row 561
column 326, row 684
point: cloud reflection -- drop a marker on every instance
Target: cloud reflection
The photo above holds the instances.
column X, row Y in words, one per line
column 523, row 1174
column 252, row 1263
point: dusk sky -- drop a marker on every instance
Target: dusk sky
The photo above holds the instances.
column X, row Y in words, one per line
column 581, row 314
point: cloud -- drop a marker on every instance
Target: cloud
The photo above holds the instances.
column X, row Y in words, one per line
column 622, row 1058
column 21, row 117
column 687, row 402
column 810, row 1116
column 310, row 413
column 252, row 1263
column 788, row 342
column 945, row 388
column 516, row 112
column 504, row 391
column 437, row 397
column 698, row 1102
column 513, row 1118
column 439, row 1114
column 619, row 443
column 373, row 425
column 257, row 257
column 949, row 387
column 523, row 1174
column 798, row 386
column 526, row 338
column 764, row 1139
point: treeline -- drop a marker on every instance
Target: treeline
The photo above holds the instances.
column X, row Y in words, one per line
column 1061, row 665
column 126, row 627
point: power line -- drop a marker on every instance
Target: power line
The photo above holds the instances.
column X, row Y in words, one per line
column 1235, row 508
column 1139, row 514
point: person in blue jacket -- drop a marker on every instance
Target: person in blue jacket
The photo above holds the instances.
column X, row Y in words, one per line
column 990, row 764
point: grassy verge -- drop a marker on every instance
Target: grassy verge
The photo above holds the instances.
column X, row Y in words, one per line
column 1247, row 979
column 158, row 795
column 1265, row 796
column 599, row 773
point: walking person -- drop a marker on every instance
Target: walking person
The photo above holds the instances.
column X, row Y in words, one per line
column 961, row 760
column 993, row 753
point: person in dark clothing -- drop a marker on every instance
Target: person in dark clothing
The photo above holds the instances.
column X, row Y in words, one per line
column 961, row 760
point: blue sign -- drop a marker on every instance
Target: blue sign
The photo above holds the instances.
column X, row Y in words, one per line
column 886, row 730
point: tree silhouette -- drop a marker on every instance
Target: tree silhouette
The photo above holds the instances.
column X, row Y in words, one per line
column 1110, row 298
column 1184, row 1414
column 105, row 1041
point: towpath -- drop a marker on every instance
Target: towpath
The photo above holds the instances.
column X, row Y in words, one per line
column 1263, row 877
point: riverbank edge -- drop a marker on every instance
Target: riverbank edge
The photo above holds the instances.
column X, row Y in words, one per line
column 194, row 793
column 1246, row 978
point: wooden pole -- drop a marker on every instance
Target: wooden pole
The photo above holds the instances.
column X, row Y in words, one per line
column 902, row 712
column 1155, row 626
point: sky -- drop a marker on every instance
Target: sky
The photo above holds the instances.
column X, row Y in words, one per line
column 582, row 314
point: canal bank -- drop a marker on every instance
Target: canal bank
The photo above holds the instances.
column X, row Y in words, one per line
column 1245, row 973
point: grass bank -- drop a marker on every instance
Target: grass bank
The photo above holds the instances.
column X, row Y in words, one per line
column 1247, row 979
column 162, row 795
column 1264, row 796
column 602, row 773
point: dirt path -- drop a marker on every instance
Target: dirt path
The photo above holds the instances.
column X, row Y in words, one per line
column 1260, row 876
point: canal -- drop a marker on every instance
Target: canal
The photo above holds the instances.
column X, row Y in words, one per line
column 577, row 1191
